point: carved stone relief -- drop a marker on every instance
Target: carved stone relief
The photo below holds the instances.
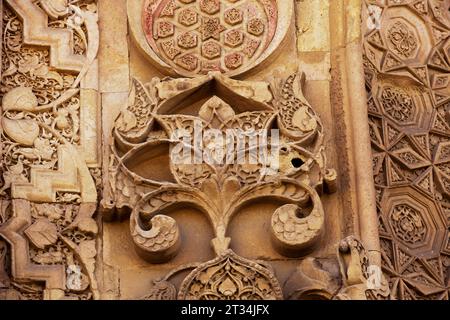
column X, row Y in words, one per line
column 197, row 37
column 143, row 132
column 49, row 148
column 407, row 68
column 201, row 45
column 91, row 204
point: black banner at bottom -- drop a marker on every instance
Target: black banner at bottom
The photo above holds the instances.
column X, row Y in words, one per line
column 232, row 310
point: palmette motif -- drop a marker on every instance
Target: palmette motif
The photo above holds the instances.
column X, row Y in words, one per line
column 143, row 131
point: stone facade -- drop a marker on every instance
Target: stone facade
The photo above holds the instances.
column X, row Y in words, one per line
column 96, row 96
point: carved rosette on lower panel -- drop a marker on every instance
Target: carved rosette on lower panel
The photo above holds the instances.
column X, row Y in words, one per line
column 407, row 68
column 49, row 120
column 145, row 135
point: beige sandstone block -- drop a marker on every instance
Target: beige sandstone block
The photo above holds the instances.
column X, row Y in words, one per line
column 90, row 80
column 113, row 53
column 313, row 25
column 89, row 126
column 315, row 65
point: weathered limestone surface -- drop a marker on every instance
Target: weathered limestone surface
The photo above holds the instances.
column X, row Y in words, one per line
column 93, row 204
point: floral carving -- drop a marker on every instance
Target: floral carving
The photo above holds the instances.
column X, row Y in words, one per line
column 408, row 224
column 218, row 190
column 230, row 277
column 42, row 233
column 162, row 290
column 402, row 39
column 47, row 182
column 397, row 104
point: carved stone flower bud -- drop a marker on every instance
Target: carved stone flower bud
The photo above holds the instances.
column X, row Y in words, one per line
column 61, row 120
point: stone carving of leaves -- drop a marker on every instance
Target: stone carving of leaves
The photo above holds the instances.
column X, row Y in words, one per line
column 52, row 212
column 33, row 66
column 136, row 116
column 42, row 233
column 16, row 169
column 30, row 64
column 12, row 69
column 21, row 99
column 230, row 277
column 75, row 22
column 43, row 149
column 127, row 121
column 228, row 288
column 303, row 120
column 23, row 131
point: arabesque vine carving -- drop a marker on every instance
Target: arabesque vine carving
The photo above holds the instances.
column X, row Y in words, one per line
column 48, row 197
column 230, row 277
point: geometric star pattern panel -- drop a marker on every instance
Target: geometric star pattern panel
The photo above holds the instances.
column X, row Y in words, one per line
column 407, row 71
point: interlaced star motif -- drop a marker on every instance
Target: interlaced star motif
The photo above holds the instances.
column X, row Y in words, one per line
column 211, row 28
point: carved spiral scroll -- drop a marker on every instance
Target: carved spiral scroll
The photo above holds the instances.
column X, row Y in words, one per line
column 156, row 236
column 160, row 242
column 143, row 136
column 292, row 234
